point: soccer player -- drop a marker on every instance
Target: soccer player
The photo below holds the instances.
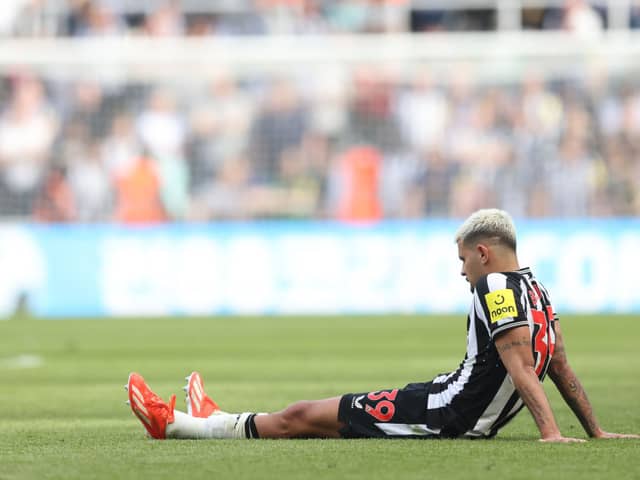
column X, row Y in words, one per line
column 513, row 340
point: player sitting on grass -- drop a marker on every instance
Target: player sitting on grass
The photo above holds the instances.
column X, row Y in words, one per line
column 513, row 340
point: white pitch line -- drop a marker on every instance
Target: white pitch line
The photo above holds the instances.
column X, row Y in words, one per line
column 22, row 361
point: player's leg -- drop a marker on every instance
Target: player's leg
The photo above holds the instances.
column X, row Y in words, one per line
column 394, row 413
column 302, row 419
column 305, row 419
column 161, row 420
column 388, row 413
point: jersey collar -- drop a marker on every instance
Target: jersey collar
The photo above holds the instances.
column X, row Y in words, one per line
column 526, row 271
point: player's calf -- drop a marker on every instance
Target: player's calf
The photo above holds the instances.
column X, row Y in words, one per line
column 304, row 419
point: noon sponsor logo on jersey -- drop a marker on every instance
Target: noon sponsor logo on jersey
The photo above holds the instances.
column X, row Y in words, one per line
column 501, row 304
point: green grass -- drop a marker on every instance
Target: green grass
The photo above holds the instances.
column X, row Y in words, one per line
column 62, row 411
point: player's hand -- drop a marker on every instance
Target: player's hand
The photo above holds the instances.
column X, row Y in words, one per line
column 561, row 439
column 603, row 434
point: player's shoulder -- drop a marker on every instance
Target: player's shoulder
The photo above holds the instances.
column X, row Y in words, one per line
column 494, row 288
column 494, row 281
column 498, row 295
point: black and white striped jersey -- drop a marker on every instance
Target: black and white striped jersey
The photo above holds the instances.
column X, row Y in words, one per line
column 479, row 397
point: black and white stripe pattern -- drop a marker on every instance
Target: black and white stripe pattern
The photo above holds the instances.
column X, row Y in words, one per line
column 479, row 397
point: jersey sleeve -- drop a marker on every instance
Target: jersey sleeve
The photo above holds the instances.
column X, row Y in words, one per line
column 500, row 302
column 545, row 292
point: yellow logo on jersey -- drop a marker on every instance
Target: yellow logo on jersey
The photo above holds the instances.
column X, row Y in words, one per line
column 501, row 304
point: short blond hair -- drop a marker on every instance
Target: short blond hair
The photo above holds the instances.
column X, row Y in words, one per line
column 488, row 224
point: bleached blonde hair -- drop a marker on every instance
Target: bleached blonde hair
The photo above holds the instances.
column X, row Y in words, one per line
column 488, row 224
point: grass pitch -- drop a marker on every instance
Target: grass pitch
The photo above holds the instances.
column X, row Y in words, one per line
column 62, row 411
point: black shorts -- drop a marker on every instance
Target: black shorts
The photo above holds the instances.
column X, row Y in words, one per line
column 396, row 413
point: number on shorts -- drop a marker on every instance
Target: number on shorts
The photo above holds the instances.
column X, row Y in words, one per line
column 384, row 409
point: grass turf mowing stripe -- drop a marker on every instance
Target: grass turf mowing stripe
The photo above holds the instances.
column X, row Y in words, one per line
column 66, row 417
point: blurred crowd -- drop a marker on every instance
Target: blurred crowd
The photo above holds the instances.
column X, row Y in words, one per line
column 365, row 146
column 81, row 18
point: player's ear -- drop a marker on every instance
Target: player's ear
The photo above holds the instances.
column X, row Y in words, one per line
column 483, row 252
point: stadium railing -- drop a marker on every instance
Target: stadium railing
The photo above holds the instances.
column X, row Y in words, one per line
column 495, row 56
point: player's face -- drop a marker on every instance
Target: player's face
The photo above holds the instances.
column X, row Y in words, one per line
column 472, row 263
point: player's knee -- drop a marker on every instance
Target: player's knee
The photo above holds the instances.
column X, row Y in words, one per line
column 294, row 420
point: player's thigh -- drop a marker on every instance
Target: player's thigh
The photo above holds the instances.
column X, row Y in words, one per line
column 314, row 417
column 323, row 413
column 393, row 413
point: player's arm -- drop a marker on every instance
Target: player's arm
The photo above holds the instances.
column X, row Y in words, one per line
column 573, row 393
column 514, row 348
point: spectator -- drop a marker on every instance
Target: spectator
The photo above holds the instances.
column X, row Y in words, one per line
column 631, row 121
column 160, row 125
column 87, row 108
column 32, row 20
column 349, row 16
column 200, row 25
column 121, row 148
column 55, row 202
column 371, row 116
column 228, row 197
column 328, row 94
column 93, row 18
column 388, row 16
column 462, row 98
column 423, row 113
column 203, row 153
column 570, row 198
column 468, row 194
column 219, row 126
column 431, row 190
column 90, row 184
column 634, row 14
column 512, row 192
column 138, row 194
column 299, row 185
column 603, row 99
column 431, row 20
column 356, row 184
column 165, row 21
column 27, row 132
column 309, row 18
column 542, row 109
column 249, row 22
column 617, row 193
column 163, row 134
column 582, row 19
column 280, row 125
column 9, row 13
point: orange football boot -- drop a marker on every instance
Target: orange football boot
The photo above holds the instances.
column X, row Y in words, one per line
column 150, row 409
column 199, row 404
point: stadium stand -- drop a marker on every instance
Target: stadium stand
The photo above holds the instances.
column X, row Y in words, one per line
column 103, row 121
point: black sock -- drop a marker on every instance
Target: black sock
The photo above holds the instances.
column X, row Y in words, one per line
column 250, row 429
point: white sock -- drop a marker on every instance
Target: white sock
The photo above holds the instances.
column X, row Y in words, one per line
column 226, row 425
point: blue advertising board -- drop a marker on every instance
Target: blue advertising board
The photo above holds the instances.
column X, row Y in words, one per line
column 299, row 267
